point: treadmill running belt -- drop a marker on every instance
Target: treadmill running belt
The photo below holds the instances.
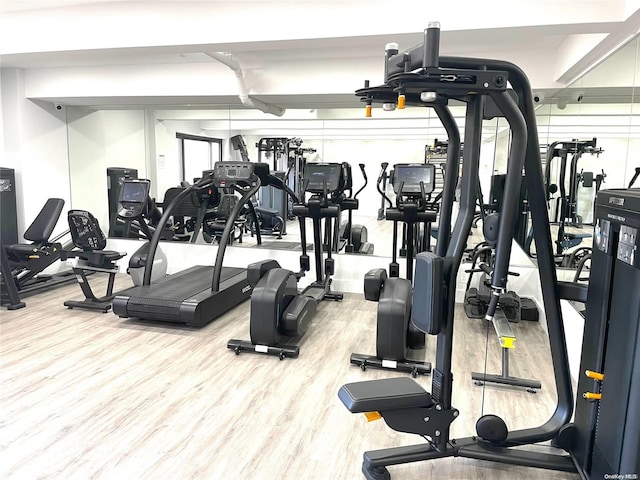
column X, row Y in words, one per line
column 165, row 300
column 179, row 286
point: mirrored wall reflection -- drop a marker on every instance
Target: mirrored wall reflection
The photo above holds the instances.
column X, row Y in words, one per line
column 98, row 140
column 602, row 105
column 592, row 128
column 331, row 135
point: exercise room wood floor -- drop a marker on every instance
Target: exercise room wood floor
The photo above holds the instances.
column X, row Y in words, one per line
column 88, row 395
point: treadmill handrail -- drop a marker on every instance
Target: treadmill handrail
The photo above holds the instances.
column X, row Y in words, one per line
column 233, row 216
column 155, row 240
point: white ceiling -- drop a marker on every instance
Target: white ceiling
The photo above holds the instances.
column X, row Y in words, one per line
column 270, row 38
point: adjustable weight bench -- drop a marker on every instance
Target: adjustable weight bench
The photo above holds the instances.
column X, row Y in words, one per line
column 42, row 252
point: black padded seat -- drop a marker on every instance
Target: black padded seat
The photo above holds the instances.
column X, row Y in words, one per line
column 385, row 394
column 38, row 232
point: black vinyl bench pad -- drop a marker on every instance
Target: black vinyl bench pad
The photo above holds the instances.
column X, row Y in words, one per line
column 384, row 394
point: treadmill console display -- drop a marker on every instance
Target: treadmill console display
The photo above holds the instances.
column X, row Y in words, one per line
column 410, row 176
column 133, row 198
column 226, row 174
column 317, row 175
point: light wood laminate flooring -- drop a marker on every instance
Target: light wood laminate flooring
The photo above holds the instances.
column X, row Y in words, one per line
column 86, row 395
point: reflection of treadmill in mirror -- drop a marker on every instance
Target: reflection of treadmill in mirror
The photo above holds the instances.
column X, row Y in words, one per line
column 200, row 294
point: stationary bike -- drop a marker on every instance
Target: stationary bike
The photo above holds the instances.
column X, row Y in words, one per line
column 395, row 333
column 90, row 256
column 279, row 312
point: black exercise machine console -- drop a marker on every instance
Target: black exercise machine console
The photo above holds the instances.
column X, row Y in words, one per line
column 413, row 178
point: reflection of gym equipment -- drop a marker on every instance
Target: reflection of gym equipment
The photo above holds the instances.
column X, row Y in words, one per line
column 267, row 220
column 381, row 185
column 495, row 205
column 566, row 211
column 237, row 143
column 418, row 77
column 477, row 302
column 415, row 209
column 635, row 177
column 137, row 208
column 115, row 178
column 199, row 294
column 280, row 314
column 413, row 183
column 27, row 261
column 352, row 238
column 288, row 160
column 189, row 214
column 215, row 222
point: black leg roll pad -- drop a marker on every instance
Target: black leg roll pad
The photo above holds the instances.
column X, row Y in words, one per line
column 385, row 394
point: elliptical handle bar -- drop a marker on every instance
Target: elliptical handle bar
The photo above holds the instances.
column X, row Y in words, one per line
column 153, row 244
column 366, row 180
column 384, row 166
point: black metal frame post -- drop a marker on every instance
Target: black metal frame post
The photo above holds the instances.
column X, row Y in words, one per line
column 9, row 283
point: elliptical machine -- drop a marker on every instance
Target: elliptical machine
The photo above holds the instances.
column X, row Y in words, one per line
column 355, row 236
column 279, row 312
column 395, row 332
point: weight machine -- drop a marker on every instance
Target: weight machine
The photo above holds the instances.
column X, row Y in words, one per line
column 287, row 162
column 421, row 77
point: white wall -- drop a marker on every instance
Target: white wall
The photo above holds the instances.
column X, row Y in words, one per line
column 98, row 140
column 35, row 145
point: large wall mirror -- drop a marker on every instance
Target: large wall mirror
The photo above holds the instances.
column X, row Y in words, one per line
column 596, row 120
column 602, row 104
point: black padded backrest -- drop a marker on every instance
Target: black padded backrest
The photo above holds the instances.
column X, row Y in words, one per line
column 227, row 202
column 188, row 207
column 42, row 227
column 85, row 231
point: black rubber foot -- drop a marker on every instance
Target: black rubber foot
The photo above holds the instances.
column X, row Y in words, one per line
column 376, row 473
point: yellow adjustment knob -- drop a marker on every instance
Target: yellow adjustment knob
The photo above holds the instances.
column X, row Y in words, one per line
column 371, row 416
column 594, row 375
column 592, row 396
column 367, row 111
column 401, row 101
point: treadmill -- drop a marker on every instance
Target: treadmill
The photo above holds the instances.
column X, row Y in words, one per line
column 200, row 294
